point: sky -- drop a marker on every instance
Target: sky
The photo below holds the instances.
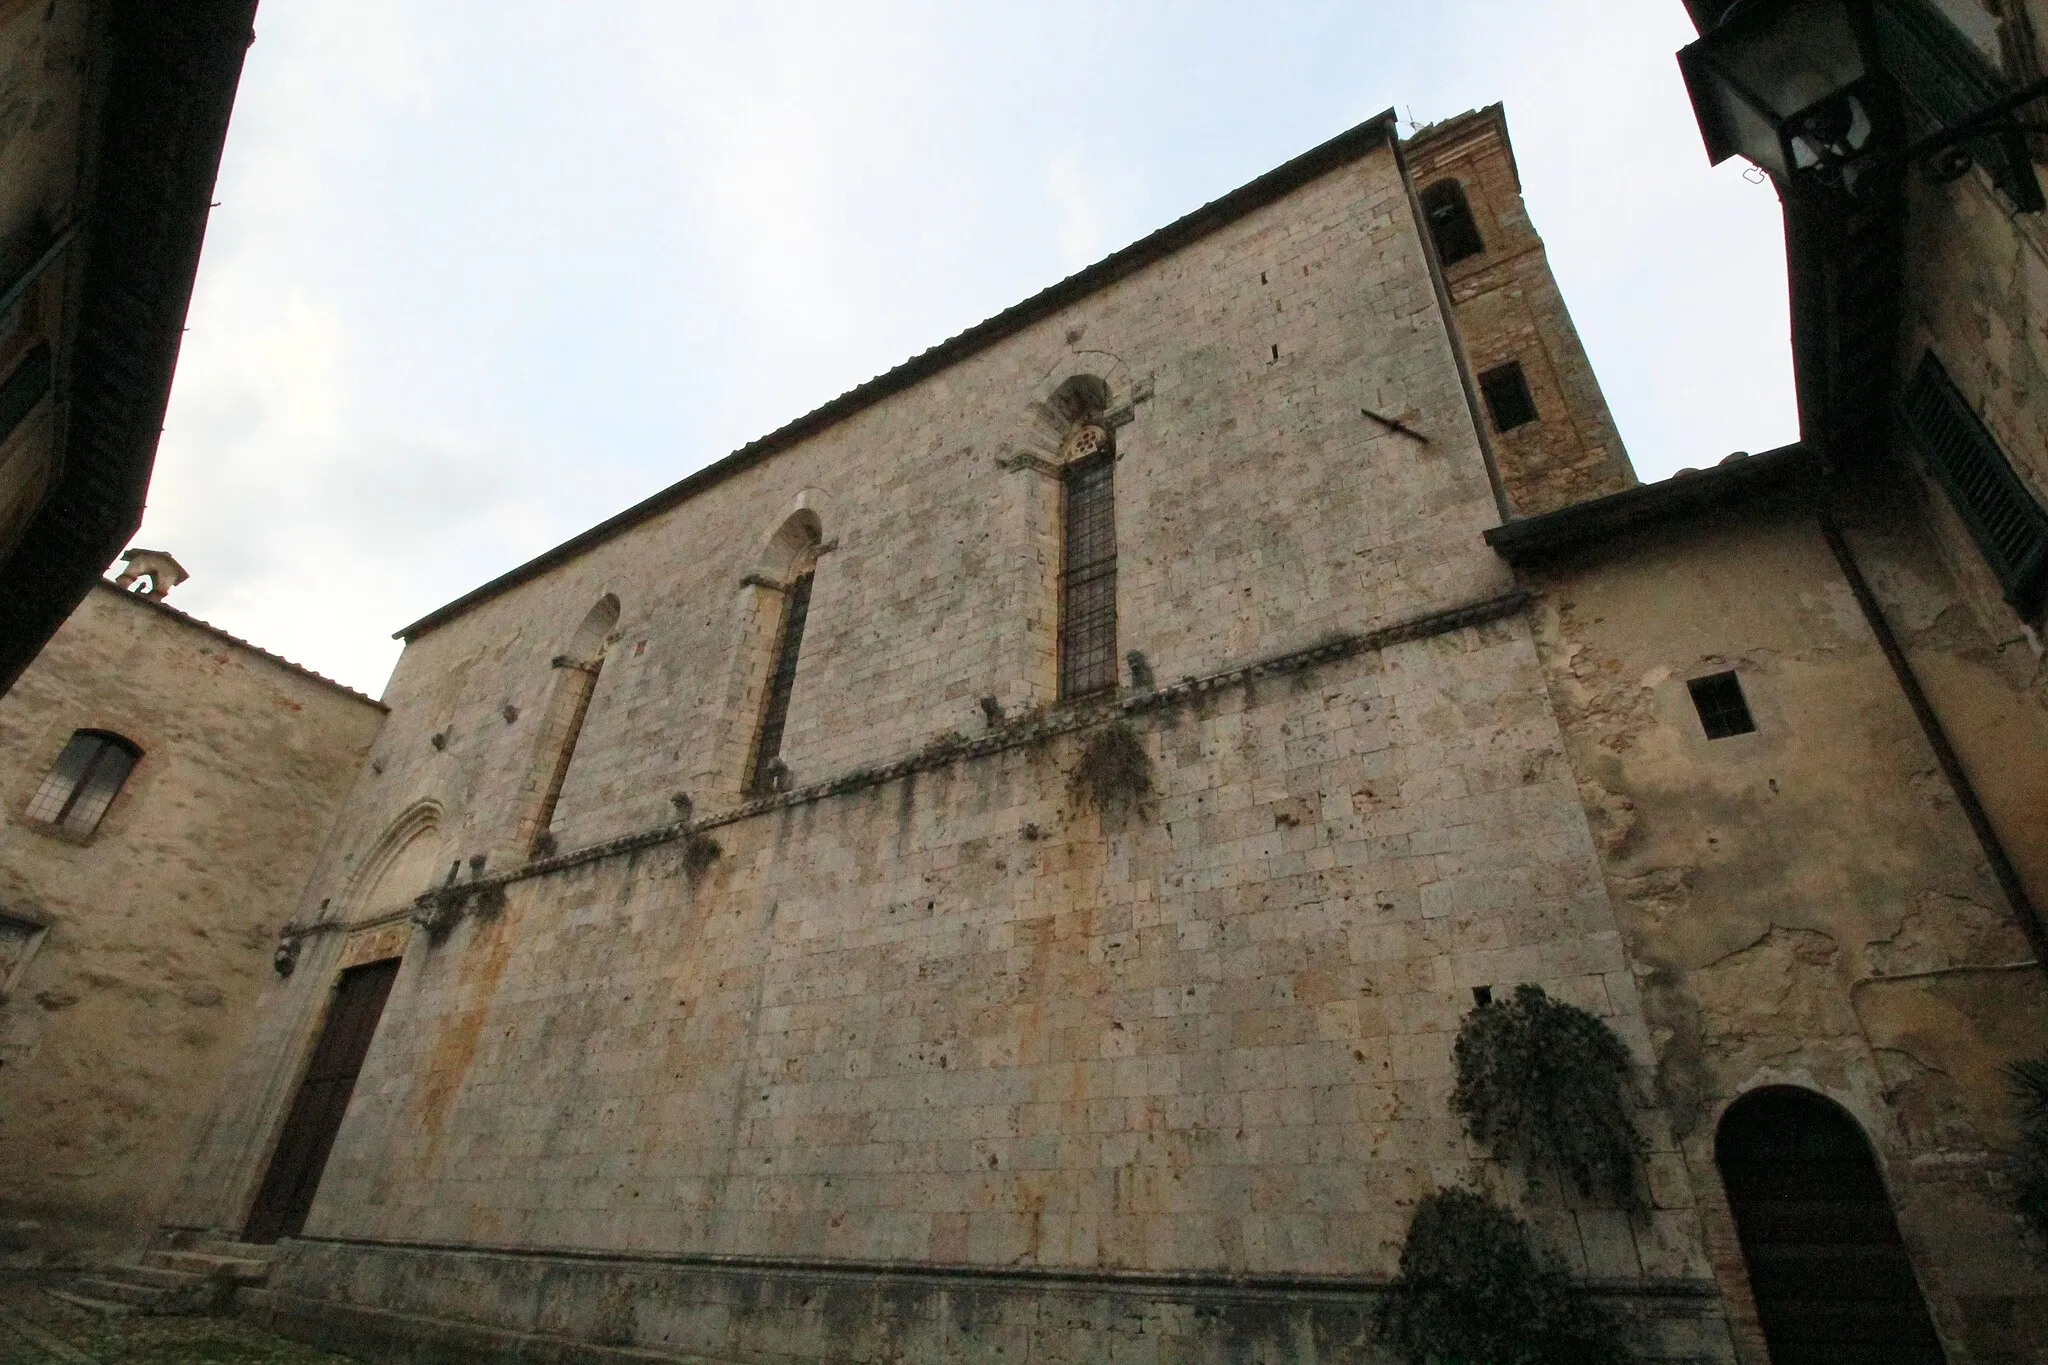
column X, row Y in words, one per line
column 484, row 272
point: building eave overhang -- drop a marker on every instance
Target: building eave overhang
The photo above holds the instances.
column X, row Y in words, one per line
column 1338, row 152
column 1683, row 497
column 163, row 103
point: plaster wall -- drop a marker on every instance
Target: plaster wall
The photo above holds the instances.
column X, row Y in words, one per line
column 1977, row 296
column 160, row 927
column 1806, row 904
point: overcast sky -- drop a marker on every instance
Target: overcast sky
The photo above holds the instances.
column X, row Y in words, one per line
column 486, row 271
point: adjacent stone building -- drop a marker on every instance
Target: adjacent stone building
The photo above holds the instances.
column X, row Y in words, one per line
column 166, row 787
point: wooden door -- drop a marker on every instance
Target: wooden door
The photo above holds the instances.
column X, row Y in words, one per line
column 1832, row 1281
column 294, row 1175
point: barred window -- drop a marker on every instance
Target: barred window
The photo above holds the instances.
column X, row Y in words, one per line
column 2007, row 523
column 83, row 781
column 1088, row 577
column 1451, row 225
column 796, row 610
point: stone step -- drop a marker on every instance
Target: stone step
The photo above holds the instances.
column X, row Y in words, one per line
column 151, row 1275
column 241, row 1270
column 88, row 1303
column 240, row 1251
column 114, row 1289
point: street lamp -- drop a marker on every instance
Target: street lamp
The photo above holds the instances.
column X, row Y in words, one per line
column 1783, row 83
column 1804, row 88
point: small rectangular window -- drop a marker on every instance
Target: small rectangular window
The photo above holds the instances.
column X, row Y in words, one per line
column 1723, row 711
column 1507, row 396
column 1088, row 578
column 2008, row 525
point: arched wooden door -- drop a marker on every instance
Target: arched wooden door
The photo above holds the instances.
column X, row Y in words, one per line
column 1832, row 1281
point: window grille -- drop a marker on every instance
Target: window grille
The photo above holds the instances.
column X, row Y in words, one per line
column 775, row 710
column 83, row 782
column 1088, row 578
column 1723, row 709
column 2009, row 526
column 1507, row 397
column 1451, row 225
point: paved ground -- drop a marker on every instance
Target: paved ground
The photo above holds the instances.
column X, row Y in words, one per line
column 36, row 1329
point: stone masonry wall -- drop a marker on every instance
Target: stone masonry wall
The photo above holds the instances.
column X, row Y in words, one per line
column 160, row 927
column 951, row 1016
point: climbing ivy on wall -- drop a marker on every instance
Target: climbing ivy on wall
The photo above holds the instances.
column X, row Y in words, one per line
column 1472, row 1290
column 1545, row 1084
column 1115, row 772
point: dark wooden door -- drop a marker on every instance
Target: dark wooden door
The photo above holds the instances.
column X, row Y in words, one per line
column 294, row 1175
column 1832, row 1281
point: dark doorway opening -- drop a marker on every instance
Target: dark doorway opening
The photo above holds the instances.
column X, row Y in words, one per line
column 1832, row 1281
column 294, row 1175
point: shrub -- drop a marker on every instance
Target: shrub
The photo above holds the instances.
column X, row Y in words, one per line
column 1472, row 1291
column 1546, row 1084
column 1115, row 772
column 2030, row 1098
column 700, row 851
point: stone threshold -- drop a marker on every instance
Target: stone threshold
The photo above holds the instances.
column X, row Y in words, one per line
column 1290, row 1284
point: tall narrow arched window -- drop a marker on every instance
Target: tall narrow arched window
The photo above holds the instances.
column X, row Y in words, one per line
column 796, row 545
column 576, row 671
column 1451, row 225
column 1088, row 563
column 83, row 782
column 1826, row 1263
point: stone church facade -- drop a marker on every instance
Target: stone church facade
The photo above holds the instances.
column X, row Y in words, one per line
column 995, row 869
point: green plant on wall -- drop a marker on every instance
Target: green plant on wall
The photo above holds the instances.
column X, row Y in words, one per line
column 1546, row 1084
column 2030, row 1098
column 1115, row 772
column 1472, row 1290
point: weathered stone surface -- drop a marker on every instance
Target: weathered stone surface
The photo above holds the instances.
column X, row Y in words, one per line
column 929, row 1007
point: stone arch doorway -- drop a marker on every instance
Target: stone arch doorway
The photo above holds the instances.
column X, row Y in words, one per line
column 1829, row 1271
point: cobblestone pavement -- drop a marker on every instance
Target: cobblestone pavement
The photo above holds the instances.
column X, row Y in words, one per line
column 37, row 1329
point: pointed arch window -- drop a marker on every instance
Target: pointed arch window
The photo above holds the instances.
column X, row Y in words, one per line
column 766, row 772
column 83, row 782
column 568, row 706
column 1088, row 565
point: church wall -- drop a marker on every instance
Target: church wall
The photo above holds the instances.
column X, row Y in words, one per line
column 159, row 927
column 1804, row 905
column 944, row 1014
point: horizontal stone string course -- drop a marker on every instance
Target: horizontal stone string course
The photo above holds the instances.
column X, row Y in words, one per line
column 1035, row 729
